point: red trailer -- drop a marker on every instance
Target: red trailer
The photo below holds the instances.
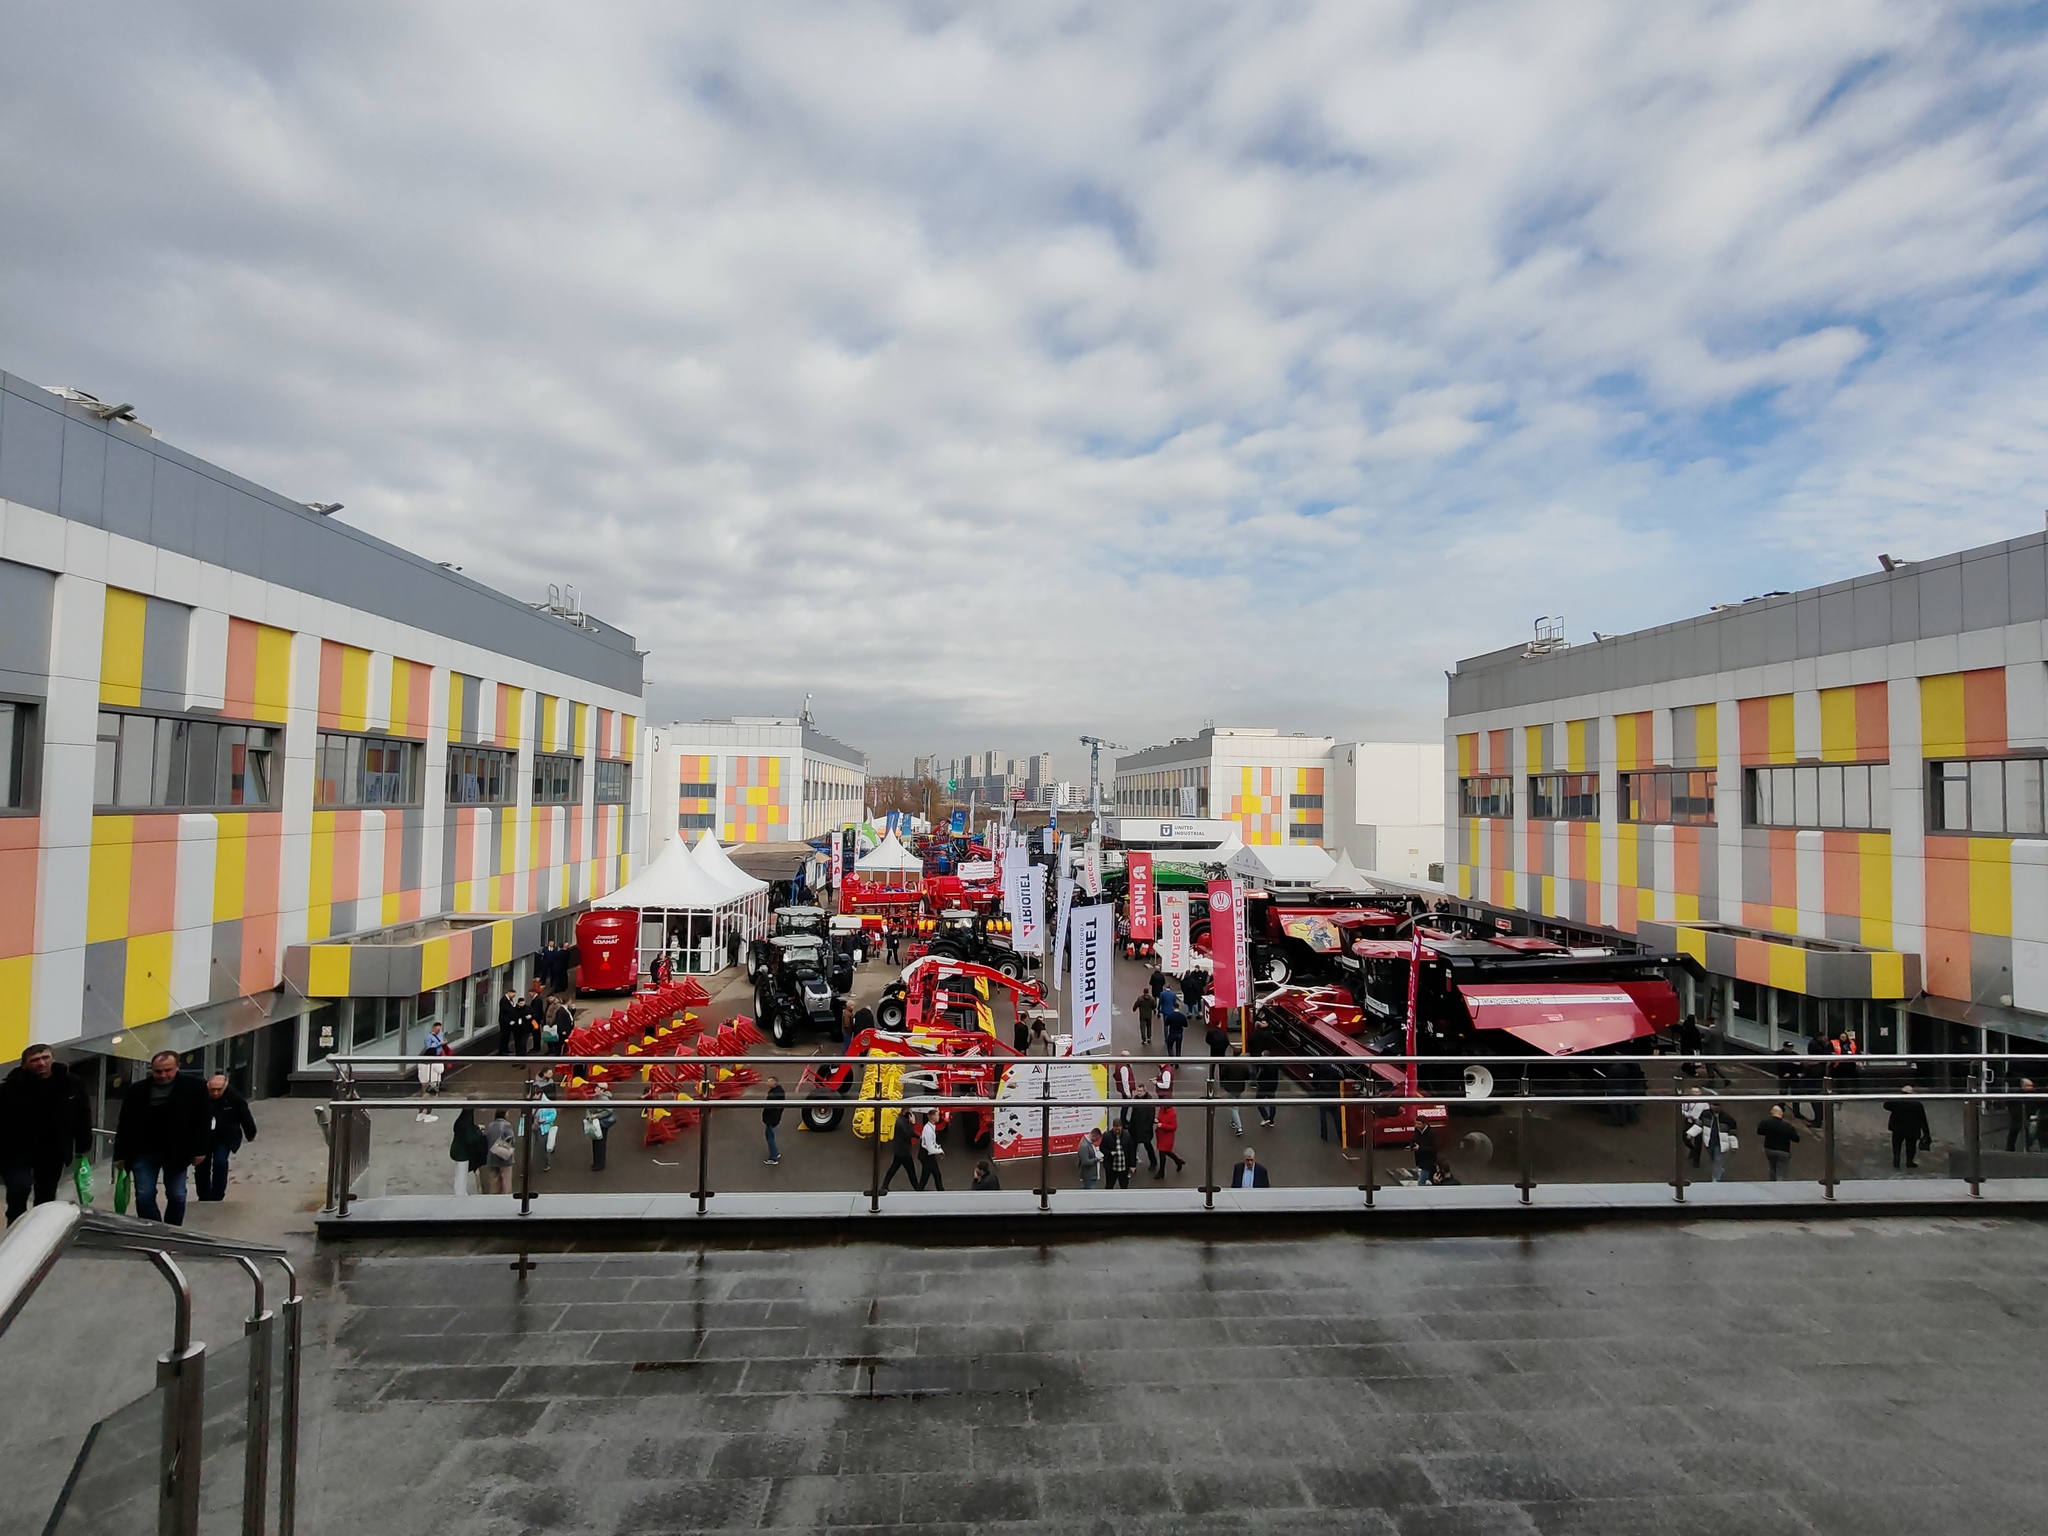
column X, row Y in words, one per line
column 608, row 950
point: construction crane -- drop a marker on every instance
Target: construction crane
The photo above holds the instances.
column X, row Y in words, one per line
column 1095, row 744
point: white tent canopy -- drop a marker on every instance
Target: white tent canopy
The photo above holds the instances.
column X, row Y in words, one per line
column 1345, row 877
column 889, row 857
column 1296, row 864
column 688, row 912
column 713, row 860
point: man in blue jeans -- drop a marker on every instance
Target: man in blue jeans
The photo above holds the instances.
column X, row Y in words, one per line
column 164, row 1132
column 229, row 1124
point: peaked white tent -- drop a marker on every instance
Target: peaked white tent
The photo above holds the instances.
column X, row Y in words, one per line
column 890, row 864
column 715, row 862
column 1292, row 864
column 683, row 910
column 1345, row 877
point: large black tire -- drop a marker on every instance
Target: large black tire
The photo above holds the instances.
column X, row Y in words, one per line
column 1010, row 966
column 891, row 1012
column 1278, row 971
column 823, row 1113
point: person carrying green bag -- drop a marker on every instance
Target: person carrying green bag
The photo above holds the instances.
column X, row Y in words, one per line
column 45, row 1128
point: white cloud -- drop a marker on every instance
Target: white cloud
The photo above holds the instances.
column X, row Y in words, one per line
column 1007, row 372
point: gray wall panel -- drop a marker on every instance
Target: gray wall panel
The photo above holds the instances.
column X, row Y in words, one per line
column 125, row 506
column 27, row 597
column 2027, row 583
column 1872, row 623
column 83, row 491
column 1986, row 584
column 1806, row 615
column 31, row 452
column 210, row 525
column 1837, row 621
column 174, row 507
column 1781, row 632
column 166, row 643
column 1905, row 611
column 1941, row 601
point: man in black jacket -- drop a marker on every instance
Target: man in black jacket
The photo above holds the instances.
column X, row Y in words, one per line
column 511, row 1023
column 165, row 1126
column 1907, row 1119
column 229, row 1125
column 45, row 1123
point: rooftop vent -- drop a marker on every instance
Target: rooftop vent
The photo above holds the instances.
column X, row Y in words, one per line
column 1549, row 637
column 97, row 406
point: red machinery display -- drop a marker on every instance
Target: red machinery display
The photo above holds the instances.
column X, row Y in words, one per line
column 1305, row 936
column 1446, row 995
column 922, row 1068
column 608, row 950
column 1325, row 1021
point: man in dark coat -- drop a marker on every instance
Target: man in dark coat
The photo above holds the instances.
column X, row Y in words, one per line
column 1907, row 1121
column 45, row 1123
column 165, row 1127
column 903, row 1151
column 1251, row 1173
column 511, row 1024
column 230, row 1125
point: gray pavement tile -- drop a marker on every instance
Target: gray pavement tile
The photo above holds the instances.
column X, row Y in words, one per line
column 806, row 1503
column 1703, row 1514
column 694, row 1505
column 1045, row 1447
column 931, row 1448
column 1246, row 1488
column 1107, row 1495
column 1495, row 1477
column 1463, row 1520
column 1371, row 1481
column 992, row 1496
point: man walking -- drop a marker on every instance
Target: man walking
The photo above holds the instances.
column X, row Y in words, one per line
column 1268, row 1075
column 929, row 1152
column 1250, row 1174
column 1144, row 1119
column 1235, row 1075
column 1116, row 1156
column 229, row 1124
column 2019, row 1123
column 1145, row 1008
column 771, row 1117
column 1777, row 1135
column 1173, row 1021
column 511, row 1023
column 165, row 1125
column 45, row 1125
column 1088, row 1157
column 902, row 1151
column 1907, row 1120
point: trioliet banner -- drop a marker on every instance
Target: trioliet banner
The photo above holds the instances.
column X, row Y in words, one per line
column 1094, row 959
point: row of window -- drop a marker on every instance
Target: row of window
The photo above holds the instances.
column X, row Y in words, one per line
column 1306, row 831
column 1999, row 796
column 148, row 762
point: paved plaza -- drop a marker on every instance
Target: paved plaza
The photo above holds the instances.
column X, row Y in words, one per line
column 1724, row 1377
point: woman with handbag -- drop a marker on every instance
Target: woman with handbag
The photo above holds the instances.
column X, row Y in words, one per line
column 598, row 1121
column 468, row 1150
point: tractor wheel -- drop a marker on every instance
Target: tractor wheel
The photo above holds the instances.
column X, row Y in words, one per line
column 823, row 1114
column 891, row 1012
column 779, row 1027
column 1010, row 966
column 1278, row 971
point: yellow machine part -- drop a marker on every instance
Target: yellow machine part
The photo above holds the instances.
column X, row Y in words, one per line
column 879, row 1079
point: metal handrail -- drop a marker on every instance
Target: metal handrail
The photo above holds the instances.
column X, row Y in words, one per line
column 29, row 1253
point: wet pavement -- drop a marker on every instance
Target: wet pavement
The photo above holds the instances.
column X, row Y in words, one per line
column 1754, row 1378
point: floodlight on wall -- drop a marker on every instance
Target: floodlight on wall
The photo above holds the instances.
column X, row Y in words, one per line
column 1893, row 562
column 324, row 508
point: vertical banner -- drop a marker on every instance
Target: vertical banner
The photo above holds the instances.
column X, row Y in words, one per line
column 1059, row 931
column 1091, row 867
column 837, row 872
column 849, row 851
column 1144, row 911
column 1173, row 947
column 1187, row 802
column 1227, row 946
column 1094, row 951
column 1026, row 901
column 958, row 825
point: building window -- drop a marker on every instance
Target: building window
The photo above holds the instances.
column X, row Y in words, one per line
column 1304, row 802
column 21, row 753
column 557, row 780
column 479, row 776
column 1996, row 796
column 615, row 781
column 366, row 770
column 1306, row 831
column 1564, row 796
column 158, row 762
column 1853, row 797
column 1493, row 795
column 697, row 821
column 1668, row 797
column 696, row 791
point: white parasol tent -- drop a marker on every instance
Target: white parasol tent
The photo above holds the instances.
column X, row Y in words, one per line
column 1286, row 864
column 1345, row 877
column 890, row 865
column 713, row 860
column 682, row 909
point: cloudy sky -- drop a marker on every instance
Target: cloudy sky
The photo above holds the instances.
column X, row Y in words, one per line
column 998, row 373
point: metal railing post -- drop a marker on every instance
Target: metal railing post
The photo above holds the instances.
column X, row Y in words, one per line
column 1527, row 1183
column 1209, row 1138
column 1045, row 1134
column 1371, row 1186
column 181, row 1373
column 344, row 1122
column 1973, row 1133
column 1678, row 1134
column 288, row 1411
column 528, row 1120
column 260, row 1330
column 875, row 1165
column 703, row 1154
column 1827, row 1145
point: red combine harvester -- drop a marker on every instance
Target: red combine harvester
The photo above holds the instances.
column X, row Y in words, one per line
column 1565, row 1010
column 608, row 950
column 1325, row 1021
column 1305, row 937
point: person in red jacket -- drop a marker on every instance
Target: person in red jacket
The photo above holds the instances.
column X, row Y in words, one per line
column 1163, row 1132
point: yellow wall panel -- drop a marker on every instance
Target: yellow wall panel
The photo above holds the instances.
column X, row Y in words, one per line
column 121, row 647
column 106, row 902
column 1781, row 738
column 1874, row 888
column 1941, row 715
column 327, row 970
column 17, row 987
column 1838, row 724
column 146, row 991
column 1788, row 967
column 1991, row 886
column 355, row 689
column 230, row 868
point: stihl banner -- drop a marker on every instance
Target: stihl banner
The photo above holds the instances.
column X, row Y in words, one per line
column 1227, row 944
column 1144, row 912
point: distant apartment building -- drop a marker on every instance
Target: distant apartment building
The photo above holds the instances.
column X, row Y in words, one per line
column 1832, row 799
column 926, row 768
column 754, row 779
